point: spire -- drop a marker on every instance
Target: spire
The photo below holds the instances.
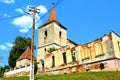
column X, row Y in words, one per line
column 52, row 16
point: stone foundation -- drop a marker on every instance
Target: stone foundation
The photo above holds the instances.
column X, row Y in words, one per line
column 108, row 65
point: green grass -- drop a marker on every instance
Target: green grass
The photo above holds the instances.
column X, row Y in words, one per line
column 74, row 76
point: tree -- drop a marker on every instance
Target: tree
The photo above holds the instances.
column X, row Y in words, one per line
column 20, row 45
column 35, row 67
column 2, row 70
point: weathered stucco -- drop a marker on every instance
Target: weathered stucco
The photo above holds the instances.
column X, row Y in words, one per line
column 69, row 57
column 23, row 62
column 100, row 50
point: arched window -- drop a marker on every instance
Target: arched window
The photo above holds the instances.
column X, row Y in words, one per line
column 60, row 33
column 45, row 49
column 119, row 45
column 73, row 55
column 53, row 61
column 46, row 33
column 64, row 58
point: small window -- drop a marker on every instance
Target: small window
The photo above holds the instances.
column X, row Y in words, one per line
column 60, row 33
column 73, row 56
column 43, row 65
column 119, row 45
column 45, row 49
column 46, row 33
column 64, row 58
column 102, row 66
column 53, row 61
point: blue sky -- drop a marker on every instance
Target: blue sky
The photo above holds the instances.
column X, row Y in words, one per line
column 86, row 20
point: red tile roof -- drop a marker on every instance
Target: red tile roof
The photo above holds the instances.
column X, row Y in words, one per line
column 52, row 16
column 26, row 54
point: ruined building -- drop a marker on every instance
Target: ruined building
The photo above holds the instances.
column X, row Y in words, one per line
column 58, row 54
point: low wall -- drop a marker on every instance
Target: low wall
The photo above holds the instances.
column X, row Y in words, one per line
column 18, row 72
column 109, row 65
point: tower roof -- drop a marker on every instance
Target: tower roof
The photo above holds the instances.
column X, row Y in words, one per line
column 52, row 16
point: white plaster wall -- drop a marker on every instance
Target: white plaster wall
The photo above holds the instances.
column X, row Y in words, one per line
column 15, row 71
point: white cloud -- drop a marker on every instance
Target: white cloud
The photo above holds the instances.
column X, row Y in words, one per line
column 25, row 30
column 25, row 22
column 19, row 10
column 3, row 47
column 8, row 1
column 42, row 9
column 6, row 15
column 9, row 45
column 22, row 21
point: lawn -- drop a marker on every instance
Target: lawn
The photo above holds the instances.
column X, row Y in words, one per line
column 75, row 76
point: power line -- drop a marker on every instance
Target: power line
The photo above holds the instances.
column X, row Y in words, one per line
column 27, row 32
column 36, row 2
column 11, row 17
column 56, row 4
column 8, row 18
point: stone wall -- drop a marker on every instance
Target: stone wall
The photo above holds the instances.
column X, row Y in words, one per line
column 96, row 66
column 96, row 51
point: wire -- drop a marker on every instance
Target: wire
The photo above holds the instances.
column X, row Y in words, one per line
column 36, row 2
column 11, row 17
column 8, row 18
column 27, row 32
column 43, row 16
column 56, row 4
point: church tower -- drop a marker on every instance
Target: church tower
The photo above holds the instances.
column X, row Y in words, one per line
column 51, row 34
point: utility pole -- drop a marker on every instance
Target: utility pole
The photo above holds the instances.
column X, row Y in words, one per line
column 32, row 46
column 34, row 11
